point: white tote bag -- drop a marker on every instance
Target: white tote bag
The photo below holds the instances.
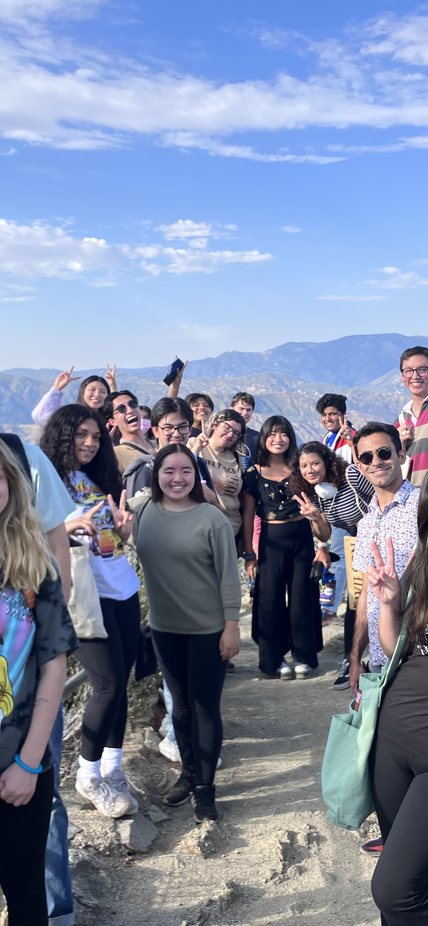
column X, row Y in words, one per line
column 84, row 604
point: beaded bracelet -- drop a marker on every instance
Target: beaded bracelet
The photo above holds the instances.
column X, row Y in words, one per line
column 33, row 771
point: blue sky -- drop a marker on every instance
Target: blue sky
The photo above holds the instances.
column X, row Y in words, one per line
column 192, row 178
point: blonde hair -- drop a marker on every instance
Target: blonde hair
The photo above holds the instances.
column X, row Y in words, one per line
column 24, row 554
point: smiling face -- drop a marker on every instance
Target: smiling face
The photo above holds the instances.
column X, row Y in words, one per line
column 95, row 395
column 381, row 473
column 176, row 476
column 312, row 468
column 126, row 416
column 4, row 490
column 414, row 375
column 201, row 410
column 330, row 418
column 277, row 442
column 86, row 443
column 225, row 434
column 172, row 429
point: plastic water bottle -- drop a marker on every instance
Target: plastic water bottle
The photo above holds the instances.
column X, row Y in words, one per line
column 328, row 589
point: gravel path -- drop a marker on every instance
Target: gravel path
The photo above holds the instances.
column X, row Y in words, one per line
column 273, row 857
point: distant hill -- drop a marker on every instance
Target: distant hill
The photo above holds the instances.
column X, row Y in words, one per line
column 352, row 361
column 357, row 366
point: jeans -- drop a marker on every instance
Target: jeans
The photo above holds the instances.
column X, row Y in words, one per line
column 338, row 569
column 57, row 874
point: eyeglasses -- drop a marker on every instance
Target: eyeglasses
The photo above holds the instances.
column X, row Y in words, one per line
column 384, row 453
column 170, row 428
column 408, row 372
column 122, row 408
column 230, row 431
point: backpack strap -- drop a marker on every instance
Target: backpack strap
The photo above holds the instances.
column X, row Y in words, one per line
column 138, row 506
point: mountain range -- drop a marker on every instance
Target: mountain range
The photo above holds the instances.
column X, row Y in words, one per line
column 286, row 380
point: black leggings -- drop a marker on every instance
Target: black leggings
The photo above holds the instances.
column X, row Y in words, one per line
column 24, row 831
column 195, row 673
column 286, row 552
column 108, row 664
column 400, row 791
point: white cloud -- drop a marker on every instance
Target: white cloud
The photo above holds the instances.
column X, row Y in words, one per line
column 43, row 250
column 22, row 10
column 403, row 39
column 16, row 298
column 8, row 154
column 350, row 298
column 214, row 147
column 291, row 229
column 397, row 279
column 416, row 141
column 185, row 228
column 274, row 38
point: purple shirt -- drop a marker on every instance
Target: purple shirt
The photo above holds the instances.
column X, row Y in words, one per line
column 398, row 520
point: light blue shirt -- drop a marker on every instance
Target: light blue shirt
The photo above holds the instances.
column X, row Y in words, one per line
column 53, row 502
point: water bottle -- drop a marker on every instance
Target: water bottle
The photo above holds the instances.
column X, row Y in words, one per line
column 328, row 589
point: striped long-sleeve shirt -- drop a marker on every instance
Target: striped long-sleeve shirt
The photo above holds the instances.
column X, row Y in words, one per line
column 418, row 449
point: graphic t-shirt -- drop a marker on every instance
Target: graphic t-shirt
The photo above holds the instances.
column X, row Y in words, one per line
column 28, row 640
column 114, row 576
column 226, row 474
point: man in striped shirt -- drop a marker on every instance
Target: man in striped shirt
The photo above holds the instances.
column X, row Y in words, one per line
column 412, row 423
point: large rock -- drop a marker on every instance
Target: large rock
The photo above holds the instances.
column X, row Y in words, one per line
column 137, row 832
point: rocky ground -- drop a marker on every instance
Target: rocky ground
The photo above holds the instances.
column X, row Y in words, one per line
column 271, row 858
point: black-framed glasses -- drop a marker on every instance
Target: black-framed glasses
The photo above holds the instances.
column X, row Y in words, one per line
column 122, row 408
column 384, row 453
column 408, row 372
column 170, row 428
column 230, row 431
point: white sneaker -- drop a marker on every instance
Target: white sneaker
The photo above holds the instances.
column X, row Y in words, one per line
column 301, row 670
column 170, row 750
column 117, row 781
column 285, row 671
column 108, row 801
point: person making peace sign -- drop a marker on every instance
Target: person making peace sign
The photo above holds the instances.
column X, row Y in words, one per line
column 78, row 444
column 399, row 759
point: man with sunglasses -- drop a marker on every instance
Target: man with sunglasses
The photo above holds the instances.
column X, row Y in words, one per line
column 412, row 423
column 392, row 513
column 123, row 412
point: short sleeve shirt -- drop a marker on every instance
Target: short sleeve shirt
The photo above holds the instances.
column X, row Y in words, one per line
column 53, row 502
column 398, row 520
column 28, row 640
column 274, row 500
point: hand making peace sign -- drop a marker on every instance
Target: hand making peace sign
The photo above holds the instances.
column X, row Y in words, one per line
column 383, row 577
column 83, row 524
column 345, row 430
column 121, row 517
column 111, row 377
column 64, row 379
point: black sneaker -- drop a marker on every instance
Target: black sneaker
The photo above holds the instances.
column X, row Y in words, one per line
column 181, row 791
column 342, row 680
column 203, row 803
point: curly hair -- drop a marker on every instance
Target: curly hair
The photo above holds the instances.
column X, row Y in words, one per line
column 416, row 575
column 275, row 423
column 57, row 442
column 335, row 468
column 229, row 414
column 25, row 559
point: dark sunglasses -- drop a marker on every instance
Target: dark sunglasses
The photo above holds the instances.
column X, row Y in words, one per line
column 122, row 408
column 384, row 453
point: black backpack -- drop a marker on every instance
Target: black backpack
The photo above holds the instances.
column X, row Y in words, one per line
column 132, row 478
column 17, row 447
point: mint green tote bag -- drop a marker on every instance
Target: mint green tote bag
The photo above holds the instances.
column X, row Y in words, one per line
column 345, row 777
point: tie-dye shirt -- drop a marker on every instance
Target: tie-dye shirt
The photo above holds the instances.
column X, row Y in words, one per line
column 28, row 640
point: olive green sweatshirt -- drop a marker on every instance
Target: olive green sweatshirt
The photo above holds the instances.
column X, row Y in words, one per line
column 190, row 568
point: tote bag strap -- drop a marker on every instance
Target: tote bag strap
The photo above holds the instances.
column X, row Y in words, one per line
column 394, row 661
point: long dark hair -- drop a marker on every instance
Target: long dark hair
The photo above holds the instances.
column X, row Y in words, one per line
column 335, row 468
column 275, row 423
column 57, row 442
column 87, row 382
column 417, row 575
column 196, row 493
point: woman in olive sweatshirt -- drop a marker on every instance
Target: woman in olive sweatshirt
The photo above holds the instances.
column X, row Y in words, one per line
column 187, row 551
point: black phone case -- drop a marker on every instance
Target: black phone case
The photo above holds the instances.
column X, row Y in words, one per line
column 172, row 371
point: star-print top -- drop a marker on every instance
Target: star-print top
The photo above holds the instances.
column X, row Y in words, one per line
column 274, row 500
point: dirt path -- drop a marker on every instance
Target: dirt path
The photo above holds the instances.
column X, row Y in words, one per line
column 273, row 856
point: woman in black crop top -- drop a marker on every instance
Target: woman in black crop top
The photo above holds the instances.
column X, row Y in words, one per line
column 399, row 759
column 286, row 552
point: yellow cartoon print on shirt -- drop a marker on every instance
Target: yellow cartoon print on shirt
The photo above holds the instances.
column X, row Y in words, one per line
column 107, row 542
column 6, row 696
